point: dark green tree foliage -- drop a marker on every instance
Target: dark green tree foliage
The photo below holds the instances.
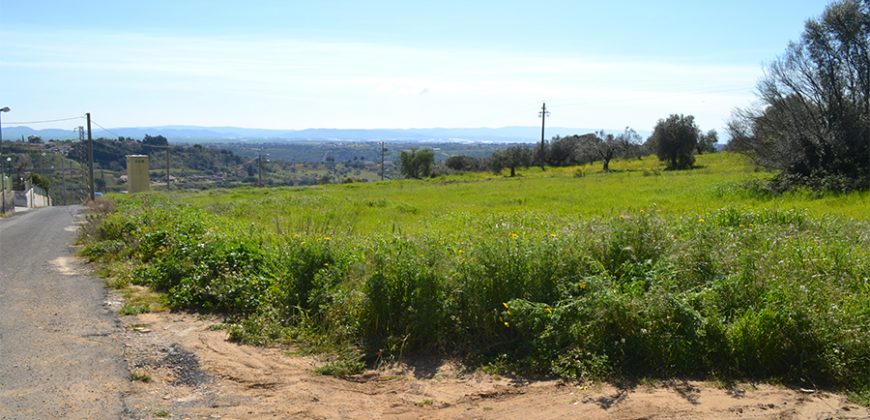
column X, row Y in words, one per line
column 707, row 142
column 814, row 124
column 570, row 150
column 606, row 147
column 512, row 157
column 155, row 140
column 674, row 141
column 463, row 163
column 40, row 181
column 417, row 163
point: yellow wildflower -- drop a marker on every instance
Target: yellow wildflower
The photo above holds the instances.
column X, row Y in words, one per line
column 548, row 310
column 327, row 238
column 505, row 305
column 701, row 220
column 582, row 285
column 553, row 235
column 514, row 235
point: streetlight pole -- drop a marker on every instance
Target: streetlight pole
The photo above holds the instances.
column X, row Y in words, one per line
column 2, row 110
column 2, row 173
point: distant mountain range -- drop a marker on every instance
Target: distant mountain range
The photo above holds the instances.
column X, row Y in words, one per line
column 197, row 134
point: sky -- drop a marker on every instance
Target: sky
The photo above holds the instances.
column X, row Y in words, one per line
column 388, row 64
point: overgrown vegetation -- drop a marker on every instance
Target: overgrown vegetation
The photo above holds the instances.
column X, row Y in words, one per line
column 814, row 121
column 749, row 289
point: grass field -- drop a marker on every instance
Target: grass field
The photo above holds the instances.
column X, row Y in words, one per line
column 443, row 204
column 569, row 272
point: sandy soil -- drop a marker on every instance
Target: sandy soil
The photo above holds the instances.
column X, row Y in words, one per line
column 195, row 373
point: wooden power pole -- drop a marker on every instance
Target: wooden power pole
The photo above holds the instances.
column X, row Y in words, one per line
column 260, row 170
column 543, row 114
column 91, row 160
column 167, row 167
column 62, row 180
column 383, row 152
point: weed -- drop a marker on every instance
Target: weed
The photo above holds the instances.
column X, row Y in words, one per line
column 128, row 309
column 696, row 277
column 140, row 376
column 341, row 368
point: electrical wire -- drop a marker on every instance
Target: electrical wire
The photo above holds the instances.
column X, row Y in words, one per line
column 45, row 121
column 105, row 129
column 119, row 136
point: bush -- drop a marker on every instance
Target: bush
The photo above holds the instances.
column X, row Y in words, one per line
column 404, row 297
column 757, row 294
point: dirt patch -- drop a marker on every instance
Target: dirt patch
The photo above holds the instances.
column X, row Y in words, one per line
column 194, row 372
column 69, row 266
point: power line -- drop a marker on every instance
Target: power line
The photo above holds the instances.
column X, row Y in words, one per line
column 118, row 135
column 106, row 129
column 45, row 121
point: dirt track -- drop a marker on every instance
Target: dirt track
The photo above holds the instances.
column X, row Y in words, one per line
column 234, row 381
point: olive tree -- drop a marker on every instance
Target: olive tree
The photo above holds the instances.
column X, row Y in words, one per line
column 606, row 147
column 674, row 141
column 512, row 157
column 417, row 163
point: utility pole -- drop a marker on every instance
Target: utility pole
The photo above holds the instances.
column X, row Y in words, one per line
column 81, row 170
column 167, row 168
column 383, row 152
column 91, row 160
column 62, row 180
column 543, row 114
column 260, row 170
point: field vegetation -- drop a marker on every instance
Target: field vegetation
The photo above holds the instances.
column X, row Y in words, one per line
column 571, row 271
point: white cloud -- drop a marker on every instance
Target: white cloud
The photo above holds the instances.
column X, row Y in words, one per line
column 365, row 85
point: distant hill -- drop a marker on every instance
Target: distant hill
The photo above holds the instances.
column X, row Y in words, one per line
column 197, row 134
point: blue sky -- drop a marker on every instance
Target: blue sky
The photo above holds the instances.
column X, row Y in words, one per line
column 382, row 64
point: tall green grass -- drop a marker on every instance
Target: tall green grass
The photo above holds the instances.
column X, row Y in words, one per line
column 523, row 271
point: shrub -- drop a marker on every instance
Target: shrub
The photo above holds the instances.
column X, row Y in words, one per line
column 734, row 293
column 404, row 297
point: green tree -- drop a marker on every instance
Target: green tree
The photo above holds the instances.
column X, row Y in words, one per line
column 155, row 140
column 571, row 150
column 417, row 163
column 674, row 140
column 606, row 147
column 512, row 157
column 462, row 163
column 814, row 122
column 707, row 142
column 40, row 181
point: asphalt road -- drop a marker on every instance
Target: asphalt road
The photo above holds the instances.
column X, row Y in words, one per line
column 61, row 355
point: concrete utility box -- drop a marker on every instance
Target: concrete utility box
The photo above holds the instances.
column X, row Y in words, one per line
column 137, row 174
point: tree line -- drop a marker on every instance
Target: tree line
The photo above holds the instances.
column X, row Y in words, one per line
column 811, row 125
column 675, row 140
